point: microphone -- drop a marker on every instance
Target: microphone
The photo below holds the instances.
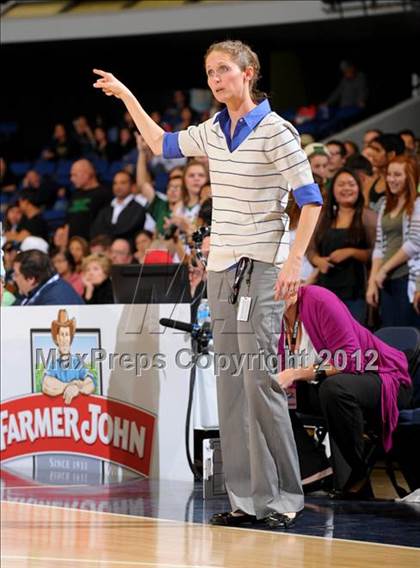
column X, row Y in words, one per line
column 175, row 324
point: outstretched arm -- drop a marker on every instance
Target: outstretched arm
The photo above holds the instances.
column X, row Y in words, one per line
column 152, row 132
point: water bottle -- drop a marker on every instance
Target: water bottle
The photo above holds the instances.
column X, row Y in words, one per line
column 203, row 313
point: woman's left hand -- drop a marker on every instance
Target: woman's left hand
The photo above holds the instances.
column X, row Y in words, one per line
column 381, row 275
column 287, row 377
column 288, row 280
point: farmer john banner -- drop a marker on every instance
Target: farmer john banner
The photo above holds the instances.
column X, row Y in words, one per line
column 93, row 392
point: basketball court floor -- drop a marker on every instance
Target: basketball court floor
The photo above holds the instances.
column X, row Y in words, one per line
column 163, row 524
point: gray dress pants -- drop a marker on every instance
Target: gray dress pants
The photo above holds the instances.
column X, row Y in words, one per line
column 260, row 460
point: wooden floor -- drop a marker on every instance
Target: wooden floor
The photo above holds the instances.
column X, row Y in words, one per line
column 42, row 536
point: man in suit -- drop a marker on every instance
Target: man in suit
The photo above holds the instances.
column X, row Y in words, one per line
column 124, row 216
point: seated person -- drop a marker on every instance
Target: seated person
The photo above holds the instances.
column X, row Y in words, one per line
column 142, row 241
column 38, row 283
column 124, row 216
column 32, row 222
column 120, row 252
column 65, row 265
column 96, row 269
column 358, row 376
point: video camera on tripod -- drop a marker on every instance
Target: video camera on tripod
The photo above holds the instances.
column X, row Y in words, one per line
column 198, row 238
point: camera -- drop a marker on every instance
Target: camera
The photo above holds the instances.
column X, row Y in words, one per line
column 199, row 235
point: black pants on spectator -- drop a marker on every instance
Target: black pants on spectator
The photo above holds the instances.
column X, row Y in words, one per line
column 395, row 307
column 347, row 401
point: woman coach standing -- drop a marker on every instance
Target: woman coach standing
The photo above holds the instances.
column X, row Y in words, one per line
column 255, row 159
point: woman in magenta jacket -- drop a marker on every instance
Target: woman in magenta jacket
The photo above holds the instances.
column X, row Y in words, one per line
column 347, row 373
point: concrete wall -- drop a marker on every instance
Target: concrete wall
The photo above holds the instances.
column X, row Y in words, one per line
column 402, row 116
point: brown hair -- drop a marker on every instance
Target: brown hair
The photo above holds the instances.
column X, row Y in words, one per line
column 83, row 243
column 244, row 57
column 410, row 188
column 185, row 195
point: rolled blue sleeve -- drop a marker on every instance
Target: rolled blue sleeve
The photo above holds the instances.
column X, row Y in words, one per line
column 171, row 147
column 306, row 194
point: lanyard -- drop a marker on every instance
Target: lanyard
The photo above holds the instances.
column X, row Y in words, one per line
column 294, row 335
column 30, row 300
column 241, row 267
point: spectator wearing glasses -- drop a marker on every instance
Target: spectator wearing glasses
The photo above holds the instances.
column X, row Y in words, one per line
column 337, row 157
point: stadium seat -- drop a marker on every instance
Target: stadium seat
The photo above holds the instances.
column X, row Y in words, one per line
column 8, row 128
column 54, row 219
column 113, row 168
column 407, row 434
column 406, row 339
column 62, row 172
column 161, row 181
column 63, row 167
column 20, row 168
column 45, row 167
column 102, row 167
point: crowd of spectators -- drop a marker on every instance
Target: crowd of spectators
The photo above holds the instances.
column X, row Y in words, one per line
column 98, row 197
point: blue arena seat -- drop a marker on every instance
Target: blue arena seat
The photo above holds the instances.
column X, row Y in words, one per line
column 63, row 167
column 113, row 168
column 20, row 168
column 54, row 219
column 407, row 434
column 101, row 166
column 45, row 167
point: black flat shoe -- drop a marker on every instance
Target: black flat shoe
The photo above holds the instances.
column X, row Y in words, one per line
column 363, row 494
column 280, row 521
column 231, row 520
column 325, row 484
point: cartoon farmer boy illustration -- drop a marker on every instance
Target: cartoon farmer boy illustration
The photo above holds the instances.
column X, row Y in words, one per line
column 66, row 375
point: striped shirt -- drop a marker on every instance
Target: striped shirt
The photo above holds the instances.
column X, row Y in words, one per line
column 250, row 183
column 411, row 244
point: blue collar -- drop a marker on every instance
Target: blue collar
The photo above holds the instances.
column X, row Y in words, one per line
column 245, row 124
